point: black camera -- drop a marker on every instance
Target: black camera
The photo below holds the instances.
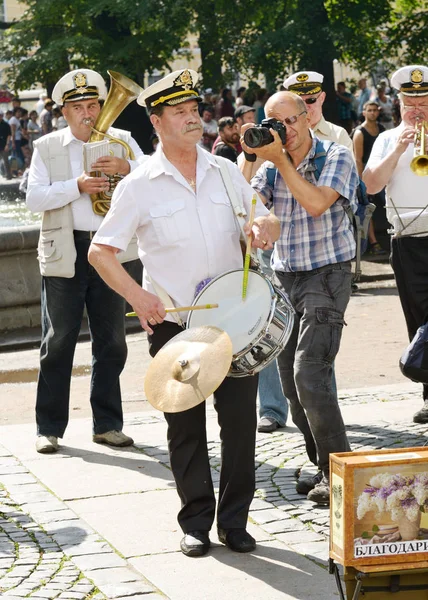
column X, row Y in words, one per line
column 260, row 135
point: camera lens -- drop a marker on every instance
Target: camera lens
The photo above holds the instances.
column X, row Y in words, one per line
column 255, row 137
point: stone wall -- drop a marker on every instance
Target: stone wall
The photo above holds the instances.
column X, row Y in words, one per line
column 19, row 278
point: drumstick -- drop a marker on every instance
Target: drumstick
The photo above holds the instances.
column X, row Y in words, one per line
column 248, row 250
column 181, row 309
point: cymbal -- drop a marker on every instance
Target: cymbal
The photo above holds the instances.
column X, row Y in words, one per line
column 188, row 369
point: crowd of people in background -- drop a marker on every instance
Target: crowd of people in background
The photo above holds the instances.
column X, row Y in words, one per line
column 349, row 103
column 19, row 128
column 222, row 116
column 363, row 112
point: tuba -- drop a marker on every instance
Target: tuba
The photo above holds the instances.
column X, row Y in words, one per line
column 122, row 92
column 419, row 164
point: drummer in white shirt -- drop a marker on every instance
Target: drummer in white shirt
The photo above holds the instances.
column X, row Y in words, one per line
column 406, row 200
column 187, row 233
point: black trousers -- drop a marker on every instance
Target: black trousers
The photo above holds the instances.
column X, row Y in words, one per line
column 409, row 259
column 63, row 301
column 235, row 403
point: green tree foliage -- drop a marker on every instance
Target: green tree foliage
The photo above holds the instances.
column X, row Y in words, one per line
column 406, row 38
column 235, row 36
column 295, row 34
column 57, row 35
column 221, row 27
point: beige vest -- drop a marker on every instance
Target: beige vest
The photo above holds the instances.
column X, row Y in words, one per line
column 56, row 248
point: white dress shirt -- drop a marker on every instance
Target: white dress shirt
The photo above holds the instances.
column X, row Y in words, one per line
column 183, row 237
column 405, row 190
column 43, row 195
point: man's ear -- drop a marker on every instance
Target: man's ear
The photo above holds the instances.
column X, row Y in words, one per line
column 155, row 121
column 322, row 98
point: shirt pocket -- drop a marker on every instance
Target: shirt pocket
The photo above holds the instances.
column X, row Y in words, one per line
column 223, row 211
column 170, row 222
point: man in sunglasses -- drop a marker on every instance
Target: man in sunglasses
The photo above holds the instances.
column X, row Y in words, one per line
column 308, row 85
column 312, row 264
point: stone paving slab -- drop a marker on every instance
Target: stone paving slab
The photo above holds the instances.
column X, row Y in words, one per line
column 67, row 549
column 147, row 521
column 272, row 573
column 134, row 475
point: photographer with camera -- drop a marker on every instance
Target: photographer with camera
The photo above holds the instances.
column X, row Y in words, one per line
column 312, row 264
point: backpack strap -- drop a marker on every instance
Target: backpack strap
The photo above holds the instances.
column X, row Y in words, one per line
column 321, row 149
column 271, row 174
column 319, row 158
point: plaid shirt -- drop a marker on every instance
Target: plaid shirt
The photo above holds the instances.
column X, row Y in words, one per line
column 307, row 242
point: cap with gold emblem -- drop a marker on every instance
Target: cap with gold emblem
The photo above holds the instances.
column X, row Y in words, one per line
column 173, row 89
column 304, row 82
column 411, row 80
column 81, row 84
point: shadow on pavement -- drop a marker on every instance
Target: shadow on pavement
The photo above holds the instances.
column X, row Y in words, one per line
column 280, row 569
column 137, row 464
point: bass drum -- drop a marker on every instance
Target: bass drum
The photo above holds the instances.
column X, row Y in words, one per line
column 259, row 326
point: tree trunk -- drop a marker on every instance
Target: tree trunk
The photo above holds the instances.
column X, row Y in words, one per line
column 212, row 76
column 320, row 51
column 329, row 107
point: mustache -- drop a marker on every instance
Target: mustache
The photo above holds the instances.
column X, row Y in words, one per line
column 191, row 127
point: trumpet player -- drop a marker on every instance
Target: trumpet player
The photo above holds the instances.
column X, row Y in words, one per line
column 391, row 164
column 59, row 188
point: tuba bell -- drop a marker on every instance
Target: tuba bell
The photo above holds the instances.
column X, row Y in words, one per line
column 419, row 164
column 121, row 93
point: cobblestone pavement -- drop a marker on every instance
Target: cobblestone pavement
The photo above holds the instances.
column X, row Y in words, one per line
column 47, row 552
column 277, row 508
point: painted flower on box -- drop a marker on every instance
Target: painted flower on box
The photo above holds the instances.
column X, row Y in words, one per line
column 401, row 496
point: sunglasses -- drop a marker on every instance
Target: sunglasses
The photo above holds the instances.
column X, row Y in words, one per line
column 293, row 119
column 311, row 100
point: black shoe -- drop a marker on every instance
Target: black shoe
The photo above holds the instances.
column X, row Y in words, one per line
column 267, row 425
column 305, row 485
column 195, row 543
column 321, row 492
column 238, row 540
column 422, row 415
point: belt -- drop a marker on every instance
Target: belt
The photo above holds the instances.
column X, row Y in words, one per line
column 83, row 235
column 340, row 266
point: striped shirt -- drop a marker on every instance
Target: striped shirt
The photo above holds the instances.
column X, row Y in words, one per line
column 308, row 242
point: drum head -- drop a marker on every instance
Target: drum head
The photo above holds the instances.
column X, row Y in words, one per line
column 242, row 320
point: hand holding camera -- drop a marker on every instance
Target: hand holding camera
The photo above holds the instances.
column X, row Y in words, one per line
column 257, row 136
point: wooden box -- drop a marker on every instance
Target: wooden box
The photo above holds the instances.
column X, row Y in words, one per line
column 379, row 506
column 392, row 582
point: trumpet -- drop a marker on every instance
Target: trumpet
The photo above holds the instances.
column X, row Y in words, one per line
column 419, row 164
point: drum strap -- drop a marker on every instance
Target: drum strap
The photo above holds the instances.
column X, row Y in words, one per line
column 238, row 208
